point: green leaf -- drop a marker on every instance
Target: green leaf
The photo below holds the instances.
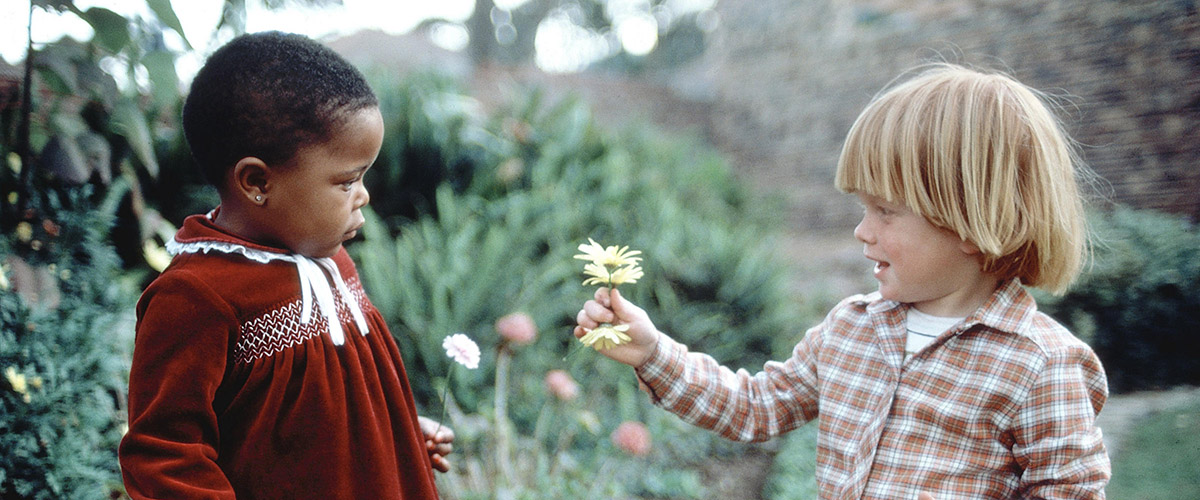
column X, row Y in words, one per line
column 160, row 67
column 56, row 5
column 130, row 123
column 166, row 14
column 112, row 29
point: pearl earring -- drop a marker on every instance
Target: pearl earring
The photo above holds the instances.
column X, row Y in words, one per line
column 258, row 197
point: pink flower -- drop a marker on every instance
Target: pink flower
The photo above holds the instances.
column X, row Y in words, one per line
column 462, row 349
column 561, row 385
column 517, row 328
column 633, row 437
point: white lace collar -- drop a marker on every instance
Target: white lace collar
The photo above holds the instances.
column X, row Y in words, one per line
column 315, row 276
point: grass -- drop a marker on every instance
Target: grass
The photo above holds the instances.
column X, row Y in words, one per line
column 1159, row 459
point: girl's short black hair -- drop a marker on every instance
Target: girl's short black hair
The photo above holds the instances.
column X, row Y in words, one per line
column 267, row 95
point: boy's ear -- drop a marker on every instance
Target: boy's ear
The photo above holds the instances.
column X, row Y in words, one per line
column 251, row 179
column 969, row 248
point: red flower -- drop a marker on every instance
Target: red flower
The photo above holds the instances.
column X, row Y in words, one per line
column 633, row 437
column 517, row 328
column 561, row 385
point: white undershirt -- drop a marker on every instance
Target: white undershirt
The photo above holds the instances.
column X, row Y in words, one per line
column 923, row 329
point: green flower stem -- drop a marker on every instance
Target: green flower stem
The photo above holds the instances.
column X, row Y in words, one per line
column 503, row 440
column 445, row 394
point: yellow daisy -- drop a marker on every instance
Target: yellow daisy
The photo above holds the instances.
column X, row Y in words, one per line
column 611, row 256
column 606, row 336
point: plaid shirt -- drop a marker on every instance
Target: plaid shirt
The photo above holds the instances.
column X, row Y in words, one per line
column 1003, row 405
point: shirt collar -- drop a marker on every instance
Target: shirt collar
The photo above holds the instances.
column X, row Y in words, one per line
column 1009, row 309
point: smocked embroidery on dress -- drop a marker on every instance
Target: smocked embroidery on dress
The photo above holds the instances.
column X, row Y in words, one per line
column 281, row 328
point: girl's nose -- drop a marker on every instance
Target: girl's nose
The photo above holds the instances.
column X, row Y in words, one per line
column 364, row 197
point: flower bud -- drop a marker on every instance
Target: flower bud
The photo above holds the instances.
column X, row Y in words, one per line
column 517, row 328
column 633, row 437
column 561, row 385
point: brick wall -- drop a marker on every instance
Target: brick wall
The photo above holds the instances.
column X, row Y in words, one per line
column 791, row 75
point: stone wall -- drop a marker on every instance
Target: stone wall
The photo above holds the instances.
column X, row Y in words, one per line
column 791, row 76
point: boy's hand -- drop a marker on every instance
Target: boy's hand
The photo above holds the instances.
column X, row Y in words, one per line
column 611, row 307
column 438, row 439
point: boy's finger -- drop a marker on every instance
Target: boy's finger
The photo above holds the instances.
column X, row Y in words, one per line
column 583, row 320
column 602, row 296
column 597, row 312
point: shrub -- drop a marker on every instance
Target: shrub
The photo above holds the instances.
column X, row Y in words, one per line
column 1136, row 304
column 517, row 193
column 65, row 364
column 794, row 472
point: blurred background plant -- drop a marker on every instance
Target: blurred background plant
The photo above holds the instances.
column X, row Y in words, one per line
column 515, row 194
column 475, row 216
column 66, row 331
column 1136, row 302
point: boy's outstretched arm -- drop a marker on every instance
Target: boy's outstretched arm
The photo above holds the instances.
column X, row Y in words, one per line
column 610, row 307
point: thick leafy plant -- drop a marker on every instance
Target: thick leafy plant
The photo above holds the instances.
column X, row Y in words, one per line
column 65, row 359
column 1135, row 304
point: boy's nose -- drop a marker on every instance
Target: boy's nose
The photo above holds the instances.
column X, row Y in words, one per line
column 860, row 232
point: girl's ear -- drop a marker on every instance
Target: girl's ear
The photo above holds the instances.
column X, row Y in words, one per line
column 251, row 179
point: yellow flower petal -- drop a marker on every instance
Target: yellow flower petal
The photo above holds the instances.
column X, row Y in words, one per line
column 611, row 256
column 24, row 232
column 627, row 274
column 606, row 337
column 591, row 251
column 16, row 380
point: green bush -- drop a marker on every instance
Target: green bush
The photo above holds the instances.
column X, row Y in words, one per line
column 65, row 364
column 794, row 472
column 516, row 194
column 1136, row 303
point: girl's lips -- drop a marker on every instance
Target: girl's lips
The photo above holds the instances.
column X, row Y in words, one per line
column 880, row 266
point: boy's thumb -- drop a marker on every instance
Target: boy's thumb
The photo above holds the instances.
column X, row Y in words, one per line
column 619, row 304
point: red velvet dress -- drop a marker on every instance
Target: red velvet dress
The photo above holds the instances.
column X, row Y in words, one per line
column 240, row 388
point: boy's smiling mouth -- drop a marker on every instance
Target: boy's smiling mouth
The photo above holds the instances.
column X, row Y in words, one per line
column 880, row 266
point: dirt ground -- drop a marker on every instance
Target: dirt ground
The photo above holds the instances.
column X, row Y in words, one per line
column 1124, row 412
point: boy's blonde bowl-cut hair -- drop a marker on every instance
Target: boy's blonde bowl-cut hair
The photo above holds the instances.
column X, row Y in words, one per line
column 983, row 156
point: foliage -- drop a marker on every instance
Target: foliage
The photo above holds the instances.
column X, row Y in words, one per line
column 1136, row 303
column 503, row 239
column 89, row 121
column 507, row 35
column 517, row 192
column 794, row 472
column 1158, row 460
column 61, row 401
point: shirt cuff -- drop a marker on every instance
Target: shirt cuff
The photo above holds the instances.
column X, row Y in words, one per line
column 663, row 368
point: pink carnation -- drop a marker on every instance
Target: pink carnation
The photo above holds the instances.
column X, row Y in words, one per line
column 633, row 437
column 561, row 385
column 517, row 328
column 462, row 349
